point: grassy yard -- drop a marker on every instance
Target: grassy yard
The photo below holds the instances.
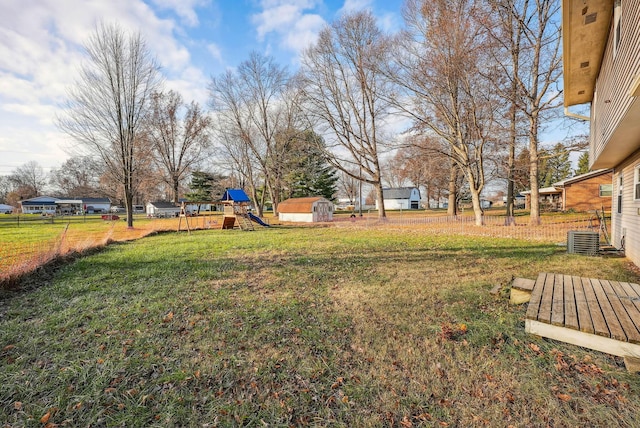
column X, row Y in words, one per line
column 302, row 326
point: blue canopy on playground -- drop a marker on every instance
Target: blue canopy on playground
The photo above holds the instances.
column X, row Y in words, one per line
column 236, row 195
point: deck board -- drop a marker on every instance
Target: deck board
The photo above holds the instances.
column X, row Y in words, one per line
column 544, row 313
column 570, row 311
column 557, row 304
column 625, row 310
column 633, row 293
column 599, row 324
column 609, row 314
column 536, row 296
column 585, row 324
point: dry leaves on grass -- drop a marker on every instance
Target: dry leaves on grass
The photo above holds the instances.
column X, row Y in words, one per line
column 452, row 332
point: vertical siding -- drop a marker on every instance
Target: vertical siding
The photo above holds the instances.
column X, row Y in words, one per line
column 629, row 221
column 612, row 100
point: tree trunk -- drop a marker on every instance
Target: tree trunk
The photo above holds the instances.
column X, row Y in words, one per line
column 128, row 202
column 477, row 206
column 452, row 208
column 509, row 219
column 254, row 197
column 176, row 185
column 534, row 217
column 382, row 214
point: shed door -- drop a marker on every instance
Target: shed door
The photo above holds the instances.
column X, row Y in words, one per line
column 323, row 211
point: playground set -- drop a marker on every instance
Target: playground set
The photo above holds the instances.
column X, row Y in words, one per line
column 236, row 213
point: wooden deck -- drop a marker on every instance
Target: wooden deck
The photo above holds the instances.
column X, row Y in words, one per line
column 593, row 313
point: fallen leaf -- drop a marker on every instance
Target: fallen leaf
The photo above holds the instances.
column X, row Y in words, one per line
column 8, row 347
column 405, row 422
column 168, row 317
column 17, row 405
column 45, row 418
column 564, row 397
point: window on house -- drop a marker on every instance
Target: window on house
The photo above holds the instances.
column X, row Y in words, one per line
column 636, row 183
column 620, row 190
column 617, row 25
column 606, row 190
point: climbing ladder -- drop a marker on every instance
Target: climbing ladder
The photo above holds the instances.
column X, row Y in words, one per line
column 237, row 215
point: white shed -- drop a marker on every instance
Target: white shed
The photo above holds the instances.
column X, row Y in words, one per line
column 162, row 209
column 306, row 210
column 401, row 198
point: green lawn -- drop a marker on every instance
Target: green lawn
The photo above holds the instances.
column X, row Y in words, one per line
column 302, row 326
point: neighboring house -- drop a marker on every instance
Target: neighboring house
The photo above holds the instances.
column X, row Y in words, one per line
column 306, row 210
column 162, row 209
column 400, row 198
column 39, row 205
column 550, row 199
column 65, row 206
column 601, row 57
column 587, row 192
column 95, row 205
column 192, row 207
column 6, row 209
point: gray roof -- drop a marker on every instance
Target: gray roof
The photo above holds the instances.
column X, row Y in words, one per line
column 95, row 200
column 164, row 204
column 397, row 193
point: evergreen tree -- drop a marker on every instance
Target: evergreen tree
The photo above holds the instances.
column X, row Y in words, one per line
column 557, row 166
column 583, row 164
column 205, row 187
column 309, row 173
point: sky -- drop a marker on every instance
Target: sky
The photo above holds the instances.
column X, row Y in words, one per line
column 41, row 50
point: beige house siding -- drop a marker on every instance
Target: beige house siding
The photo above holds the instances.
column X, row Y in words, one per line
column 627, row 223
column 612, row 100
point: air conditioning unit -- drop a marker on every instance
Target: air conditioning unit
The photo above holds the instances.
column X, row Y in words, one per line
column 581, row 242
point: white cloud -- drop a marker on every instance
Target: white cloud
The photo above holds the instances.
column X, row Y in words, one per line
column 215, row 51
column 304, row 32
column 290, row 21
column 355, row 5
column 185, row 9
column 41, row 51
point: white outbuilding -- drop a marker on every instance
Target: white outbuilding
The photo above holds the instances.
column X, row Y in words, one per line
column 401, row 198
column 306, row 210
column 162, row 209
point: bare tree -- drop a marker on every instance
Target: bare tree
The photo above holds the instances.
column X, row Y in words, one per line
column 77, row 176
column 253, row 106
column 442, row 88
column 347, row 95
column 348, row 186
column 5, row 188
column 529, row 33
column 394, row 174
column 108, row 103
column 29, row 179
column 424, row 165
column 179, row 135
